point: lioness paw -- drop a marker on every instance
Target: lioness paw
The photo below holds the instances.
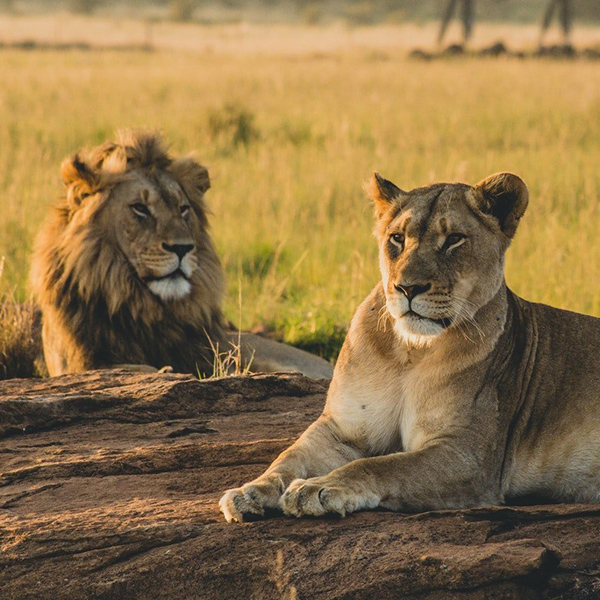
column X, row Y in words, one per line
column 302, row 498
column 236, row 504
column 251, row 499
column 316, row 497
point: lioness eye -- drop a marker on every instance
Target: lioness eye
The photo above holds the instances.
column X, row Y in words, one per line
column 397, row 239
column 141, row 210
column 453, row 240
column 185, row 209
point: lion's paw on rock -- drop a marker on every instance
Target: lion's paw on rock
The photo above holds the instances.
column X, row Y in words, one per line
column 250, row 501
column 237, row 505
column 315, row 497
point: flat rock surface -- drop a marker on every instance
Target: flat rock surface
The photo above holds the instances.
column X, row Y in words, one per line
column 109, row 483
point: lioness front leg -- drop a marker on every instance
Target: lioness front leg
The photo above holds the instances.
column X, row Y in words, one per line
column 431, row 478
column 318, row 451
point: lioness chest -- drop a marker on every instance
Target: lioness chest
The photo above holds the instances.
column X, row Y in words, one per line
column 398, row 408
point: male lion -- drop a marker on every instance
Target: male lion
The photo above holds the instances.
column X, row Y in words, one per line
column 126, row 272
column 450, row 390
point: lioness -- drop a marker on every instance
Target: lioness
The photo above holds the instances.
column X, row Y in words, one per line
column 450, row 390
column 126, row 273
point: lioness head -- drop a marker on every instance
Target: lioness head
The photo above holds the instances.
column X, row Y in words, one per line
column 148, row 206
column 442, row 250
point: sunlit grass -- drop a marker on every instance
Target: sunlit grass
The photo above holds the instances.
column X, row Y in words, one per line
column 291, row 221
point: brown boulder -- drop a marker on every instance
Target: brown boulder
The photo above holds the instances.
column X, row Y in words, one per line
column 109, row 483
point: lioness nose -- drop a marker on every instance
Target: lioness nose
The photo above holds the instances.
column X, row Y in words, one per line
column 410, row 291
column 180, row 249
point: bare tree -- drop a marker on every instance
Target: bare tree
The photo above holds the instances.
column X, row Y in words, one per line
column 565, row 8
column 467, row 18
column 467, row 15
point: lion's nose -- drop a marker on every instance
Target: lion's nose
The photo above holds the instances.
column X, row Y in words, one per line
column 410, row 291
column 180, row 249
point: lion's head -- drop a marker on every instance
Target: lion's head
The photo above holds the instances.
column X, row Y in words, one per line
column 442, row 250
column 129, row 247
column 148, row 207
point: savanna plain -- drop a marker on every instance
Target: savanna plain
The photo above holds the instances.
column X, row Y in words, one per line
column 290, row 139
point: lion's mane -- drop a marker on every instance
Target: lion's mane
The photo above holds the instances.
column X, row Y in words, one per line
column 97, row 311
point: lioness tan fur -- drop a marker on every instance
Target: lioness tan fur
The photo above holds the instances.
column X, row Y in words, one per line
column 126, row 272
column 450, row 390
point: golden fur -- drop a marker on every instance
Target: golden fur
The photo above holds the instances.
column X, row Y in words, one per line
column 450, row 391
column 126, row 273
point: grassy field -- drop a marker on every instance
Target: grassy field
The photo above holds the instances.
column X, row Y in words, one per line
column 290, row 140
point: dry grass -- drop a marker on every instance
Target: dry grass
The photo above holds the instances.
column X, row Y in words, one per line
column 20, row 340
column 228, row 361
column 289, row 141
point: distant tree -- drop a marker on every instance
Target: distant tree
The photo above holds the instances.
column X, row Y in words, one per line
column 181, row 10
column 467, row 18
column 311, row 13
column 7, row 5
column 588, row 9
column 361, row 12
column 565, row 9
column 83, row 7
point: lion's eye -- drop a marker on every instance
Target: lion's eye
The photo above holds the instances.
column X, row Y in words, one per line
column 453, row 241
column 141, row 210
column 397, row 239
column 185, row 210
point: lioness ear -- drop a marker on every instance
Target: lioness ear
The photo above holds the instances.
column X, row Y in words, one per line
column 383, row 193
column 192, row 176
column 504, row 196
column 79, row 178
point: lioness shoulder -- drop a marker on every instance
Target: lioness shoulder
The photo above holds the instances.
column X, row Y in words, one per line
column 450, row 390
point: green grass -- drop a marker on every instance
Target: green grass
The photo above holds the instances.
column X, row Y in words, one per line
column 289, row 143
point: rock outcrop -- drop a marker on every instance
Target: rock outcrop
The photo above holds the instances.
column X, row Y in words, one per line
column 109, row 483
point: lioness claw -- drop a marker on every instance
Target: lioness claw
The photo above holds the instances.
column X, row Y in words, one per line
column 235, row 504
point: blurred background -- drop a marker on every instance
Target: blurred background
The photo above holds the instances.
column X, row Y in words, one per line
column 291, row 105
column 311, row 12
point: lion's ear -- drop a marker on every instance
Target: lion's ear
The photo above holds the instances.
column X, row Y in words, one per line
column 79, row 178
column 192, row 176
column 383, row 193
column 504, row 196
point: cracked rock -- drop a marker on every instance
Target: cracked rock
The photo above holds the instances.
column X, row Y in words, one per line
column 109, row 483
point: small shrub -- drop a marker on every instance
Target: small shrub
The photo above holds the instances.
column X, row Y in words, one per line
column 232, row 125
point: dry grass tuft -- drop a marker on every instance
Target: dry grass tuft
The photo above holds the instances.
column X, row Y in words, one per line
column 229, row 362
column 20, row 340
